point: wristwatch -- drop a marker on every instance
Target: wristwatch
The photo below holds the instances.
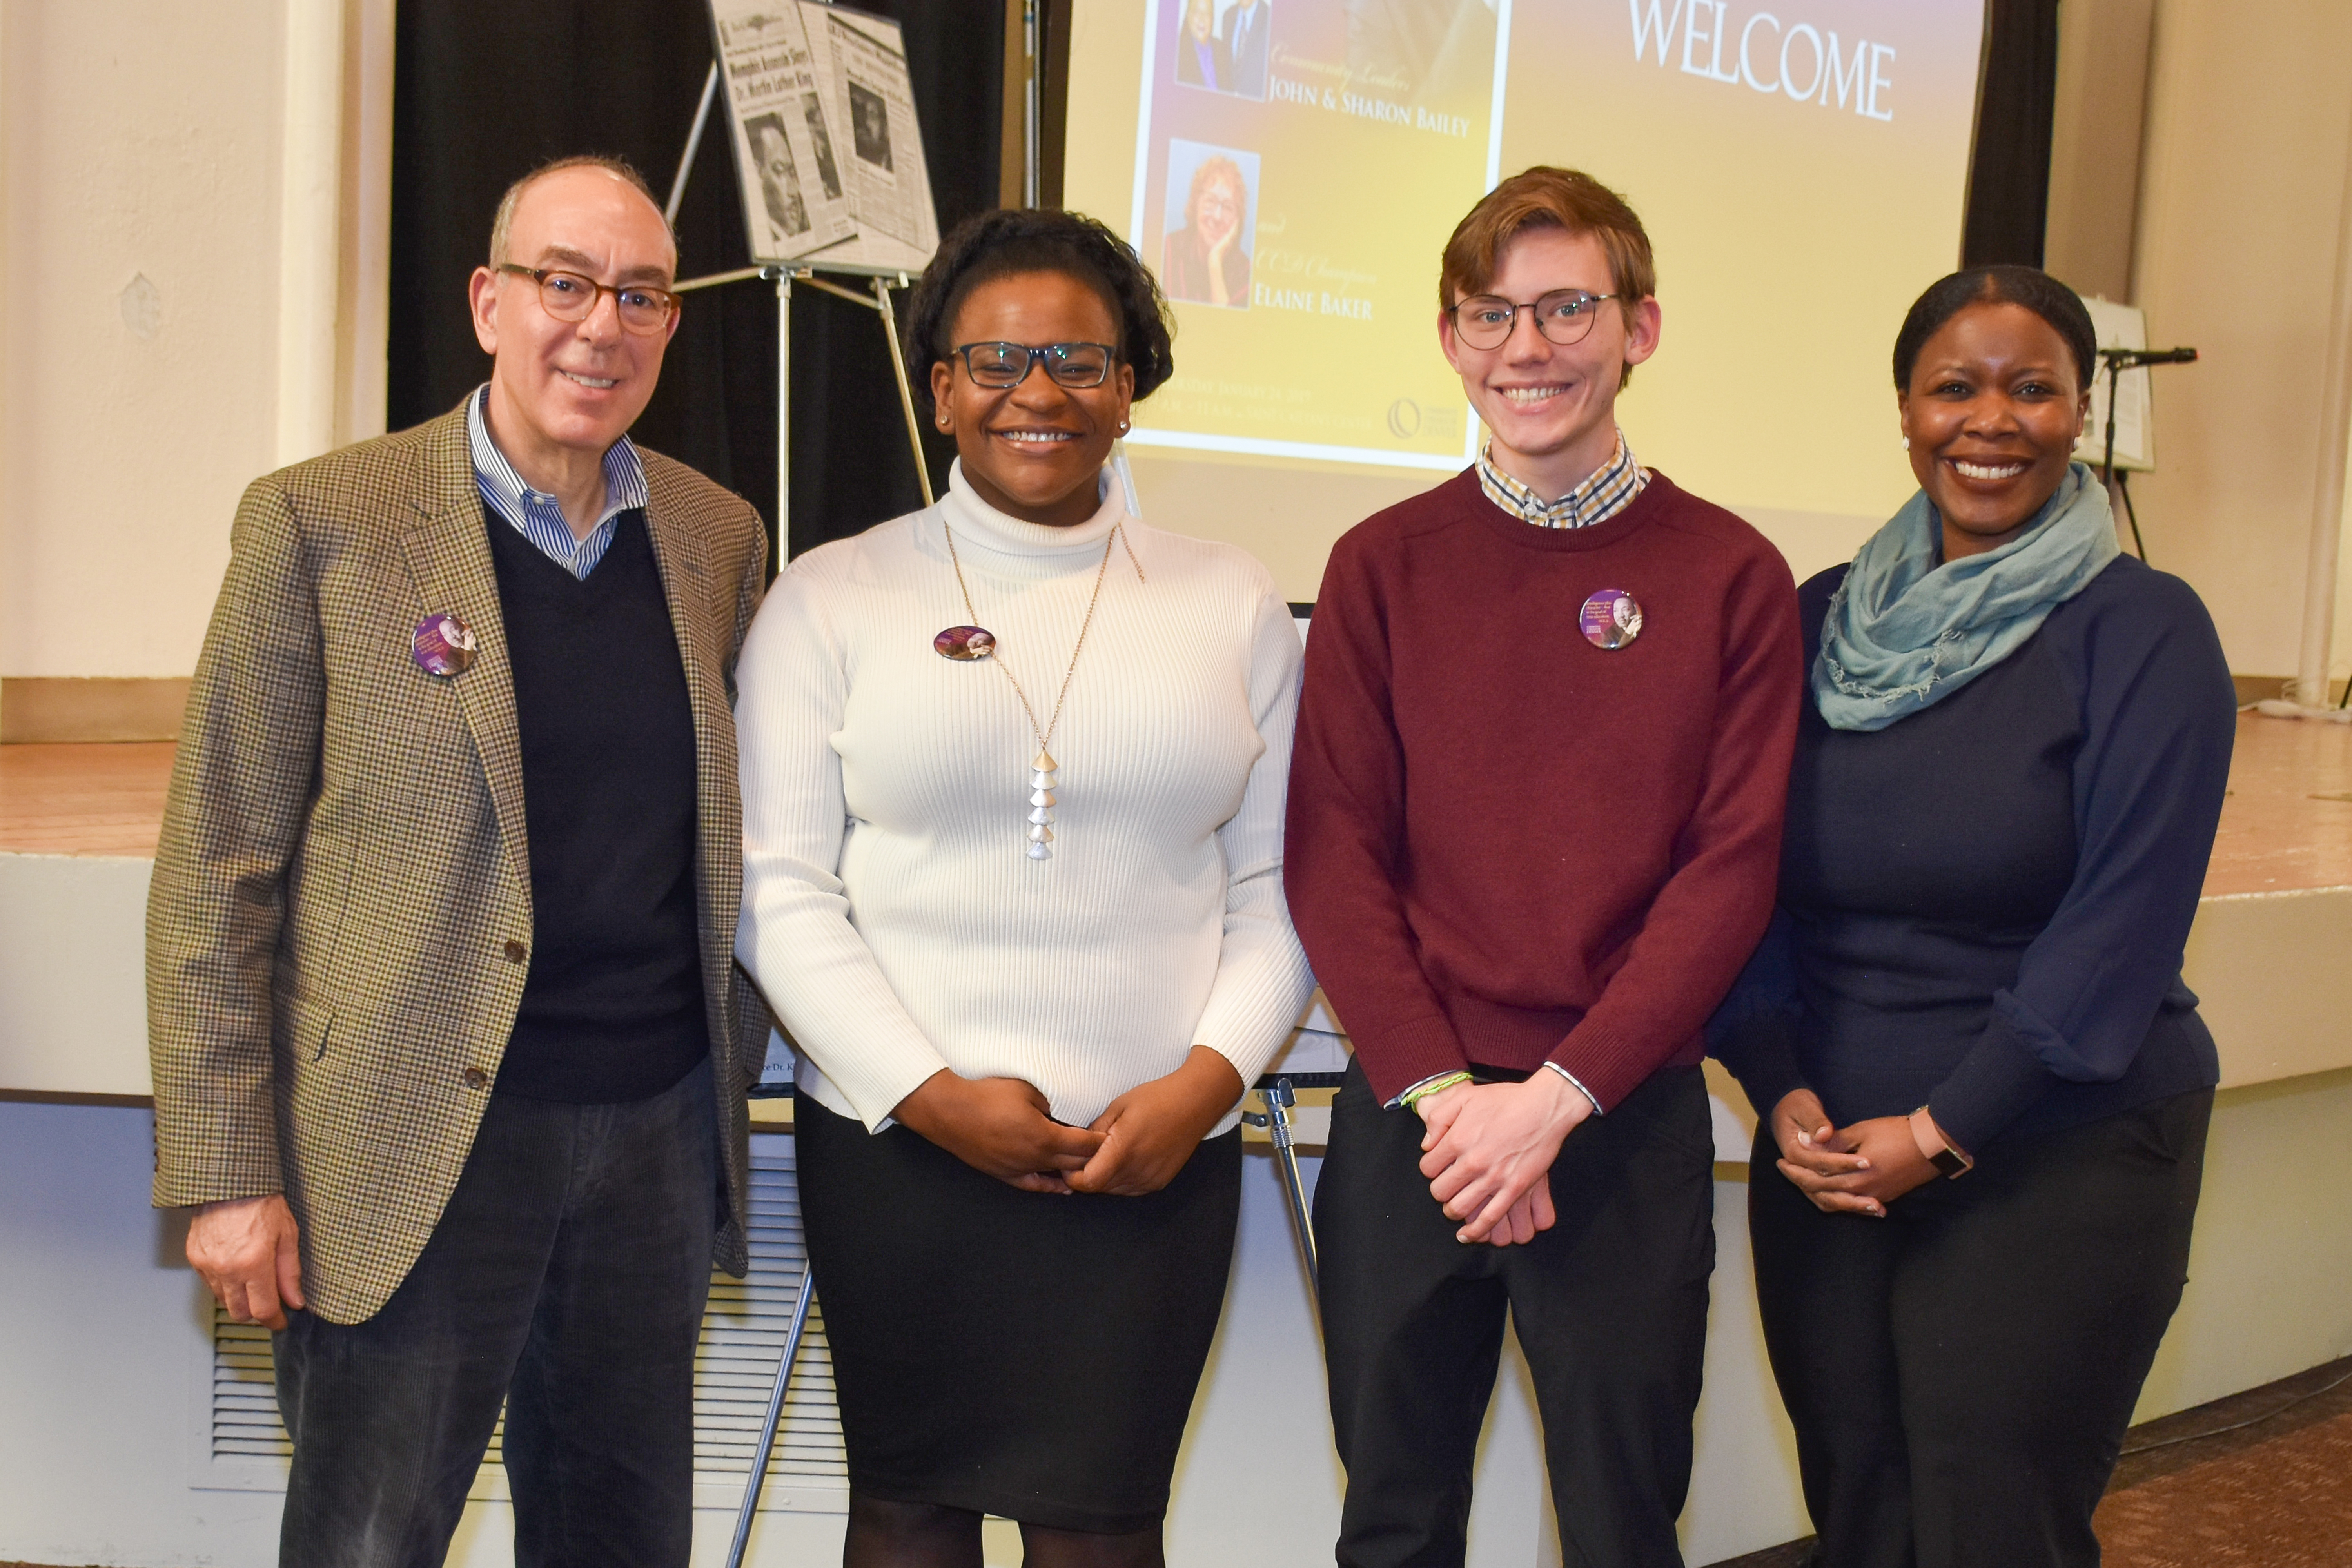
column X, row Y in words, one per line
column 1948, row 1161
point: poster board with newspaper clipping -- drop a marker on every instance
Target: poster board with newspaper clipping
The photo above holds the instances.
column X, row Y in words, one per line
column 828, row 153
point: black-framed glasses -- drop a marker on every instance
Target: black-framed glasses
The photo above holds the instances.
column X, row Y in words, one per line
column 569, row 297
column 1564, row 316
column 1002, row 366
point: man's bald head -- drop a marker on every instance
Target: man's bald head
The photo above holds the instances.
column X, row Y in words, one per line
column 502, row 226
column 569, row 375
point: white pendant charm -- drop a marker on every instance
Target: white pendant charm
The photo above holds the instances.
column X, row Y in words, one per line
column 1041, row 772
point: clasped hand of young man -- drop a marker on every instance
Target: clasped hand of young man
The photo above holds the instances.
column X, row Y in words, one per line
column 1847, row 1170
column 1487, row 1151
column 1004, row 1126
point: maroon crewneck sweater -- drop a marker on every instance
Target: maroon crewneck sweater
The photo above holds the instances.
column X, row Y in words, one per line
column 1507, row 844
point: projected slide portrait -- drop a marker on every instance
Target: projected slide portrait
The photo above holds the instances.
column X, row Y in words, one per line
column 780, row 181
column 1224, row 46
column 869, row 125
column 1205, row 256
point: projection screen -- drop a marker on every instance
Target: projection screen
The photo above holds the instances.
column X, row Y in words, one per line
column 1292, row 169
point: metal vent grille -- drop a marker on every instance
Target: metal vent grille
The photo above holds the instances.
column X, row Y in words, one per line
column 244, row 1402
column 245, row 1446
column 742, row 1335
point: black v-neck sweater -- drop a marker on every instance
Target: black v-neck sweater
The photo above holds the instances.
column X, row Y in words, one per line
column 613, row 1009
column 1983, row 905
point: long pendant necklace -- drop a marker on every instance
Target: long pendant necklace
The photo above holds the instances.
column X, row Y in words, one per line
column 974, row 641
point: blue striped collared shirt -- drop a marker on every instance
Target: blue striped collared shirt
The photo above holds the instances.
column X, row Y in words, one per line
column 536, row 514
column 1610, row 489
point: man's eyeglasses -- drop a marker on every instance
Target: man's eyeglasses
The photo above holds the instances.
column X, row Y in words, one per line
column 1564, row 316
column 569, row 296
column 1002, row 366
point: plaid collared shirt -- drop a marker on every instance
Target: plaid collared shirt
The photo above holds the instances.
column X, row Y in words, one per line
column 1609, row 490
column 536, row 515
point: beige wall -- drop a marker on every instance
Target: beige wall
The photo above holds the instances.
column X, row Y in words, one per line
column 140, row 156
column 137, row 248
column 2094, row 143
column 2250, row 116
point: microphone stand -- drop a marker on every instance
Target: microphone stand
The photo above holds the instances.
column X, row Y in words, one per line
column 2115, row 361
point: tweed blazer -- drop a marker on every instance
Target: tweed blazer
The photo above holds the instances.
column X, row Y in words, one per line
column 339, row 924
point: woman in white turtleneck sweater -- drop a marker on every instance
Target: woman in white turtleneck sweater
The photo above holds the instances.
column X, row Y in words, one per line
column 1021, row 913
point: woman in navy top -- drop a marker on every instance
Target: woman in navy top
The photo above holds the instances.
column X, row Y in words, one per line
column 1984, row 1087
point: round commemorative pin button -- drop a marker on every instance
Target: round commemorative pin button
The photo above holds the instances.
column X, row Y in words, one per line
column 1610, row 618
column 442, row 645
column 963, row 644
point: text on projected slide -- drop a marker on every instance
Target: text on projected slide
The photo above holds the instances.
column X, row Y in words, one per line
column 1299, row 165
column 1765, row 54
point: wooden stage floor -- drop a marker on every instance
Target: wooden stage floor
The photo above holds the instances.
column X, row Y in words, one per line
column 2286, row 826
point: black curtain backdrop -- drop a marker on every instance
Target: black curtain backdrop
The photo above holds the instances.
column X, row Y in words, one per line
column 2008, row 180
column 483, row 93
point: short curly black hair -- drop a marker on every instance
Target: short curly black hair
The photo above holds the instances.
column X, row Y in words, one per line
column 1010, row 240
column 2027, row 285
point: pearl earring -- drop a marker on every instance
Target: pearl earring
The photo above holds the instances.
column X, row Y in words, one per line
column 1906, row 443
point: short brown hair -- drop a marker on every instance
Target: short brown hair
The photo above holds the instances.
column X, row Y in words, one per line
column 1546, row 198
column 502, row 225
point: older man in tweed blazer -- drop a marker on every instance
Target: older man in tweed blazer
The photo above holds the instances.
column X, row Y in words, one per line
column 448, row 1044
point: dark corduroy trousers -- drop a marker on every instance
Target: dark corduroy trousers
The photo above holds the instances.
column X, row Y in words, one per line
column 1610, row 1306
column 566, row 1279
column 1960, row 1372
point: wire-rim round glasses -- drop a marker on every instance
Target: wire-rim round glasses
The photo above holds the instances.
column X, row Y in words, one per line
column 1564, row 316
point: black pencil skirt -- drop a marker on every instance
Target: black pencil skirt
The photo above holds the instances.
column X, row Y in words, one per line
column 1028, row 1355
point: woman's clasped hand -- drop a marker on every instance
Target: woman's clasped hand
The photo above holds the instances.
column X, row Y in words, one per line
column 1858, row 1169
column 1002, row 1126
column 1006, row 1128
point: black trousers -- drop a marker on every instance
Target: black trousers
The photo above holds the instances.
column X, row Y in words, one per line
column 1960, row 1372
column 1610, row 1305
column 566, row 1279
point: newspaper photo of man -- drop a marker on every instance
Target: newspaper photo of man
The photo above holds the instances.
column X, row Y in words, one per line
column 869, row 125
column 780, row 180
column 821, row 141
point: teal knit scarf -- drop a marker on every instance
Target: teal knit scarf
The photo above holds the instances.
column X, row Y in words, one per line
column 1906, row 629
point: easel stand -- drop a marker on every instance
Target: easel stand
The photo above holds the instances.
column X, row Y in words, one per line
column 1278, row 1095
column 879, row 301
column 766, row 1446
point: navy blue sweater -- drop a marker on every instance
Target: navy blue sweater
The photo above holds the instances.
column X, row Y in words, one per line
column 613, row 1009
column 1983, row 905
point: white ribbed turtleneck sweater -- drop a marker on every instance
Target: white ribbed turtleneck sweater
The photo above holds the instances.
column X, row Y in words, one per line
column 892, row 914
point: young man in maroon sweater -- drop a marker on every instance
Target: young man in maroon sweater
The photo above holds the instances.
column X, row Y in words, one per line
column 1534, row 832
